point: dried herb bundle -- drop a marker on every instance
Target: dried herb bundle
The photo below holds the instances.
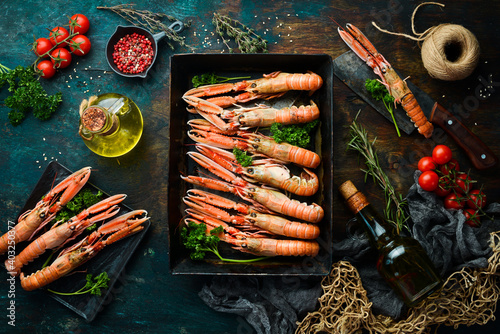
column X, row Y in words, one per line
column 395, row 210
column 244, row 37
column 150, row 21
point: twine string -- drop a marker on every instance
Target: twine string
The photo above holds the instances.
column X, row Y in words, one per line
column 437, row 40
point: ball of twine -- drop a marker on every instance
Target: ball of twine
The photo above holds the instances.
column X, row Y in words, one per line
column 449, row 51
column 445, row 64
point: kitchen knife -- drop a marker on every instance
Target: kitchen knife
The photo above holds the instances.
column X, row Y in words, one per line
column 349, row 68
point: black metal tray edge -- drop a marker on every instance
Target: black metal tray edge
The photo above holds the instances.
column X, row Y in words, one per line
column 185, row 265
column 133, row 240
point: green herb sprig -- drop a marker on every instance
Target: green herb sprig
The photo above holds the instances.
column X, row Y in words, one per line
column 212, row 78
column 27, row 94
column 93, row 286
column 83, row 200
column 395, row 210
column 242, row 157
column 196, row 239
column 246, row 39
column 380, row 92
column 295, row 134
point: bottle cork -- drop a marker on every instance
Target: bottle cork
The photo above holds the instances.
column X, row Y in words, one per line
column 356, row 201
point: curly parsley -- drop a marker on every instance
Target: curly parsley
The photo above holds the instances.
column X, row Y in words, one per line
column 380, row 92
column 212, row 78
column 27, row 94
column 93, row 285
column 85, row 199
column 196, row 239
column 296, row 134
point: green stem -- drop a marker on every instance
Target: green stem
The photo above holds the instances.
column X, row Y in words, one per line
column 48, row 259
column 4, row 69
column 79, row 292
column 224, row 79
column 389, row 108
column 237, row 260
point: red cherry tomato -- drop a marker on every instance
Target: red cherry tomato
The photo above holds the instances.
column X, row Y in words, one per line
column 47, row 69
column 79, row 45
column 79, row 23
column 454, row 201
column 451, row 166
column 428, row 180
column 472, row 217
column 61, row 57
column 426, row 163
column 443, row 188
column 463, row 183
column 57, row 35
column 441, row 154
column 42, row 46
column 477, row 199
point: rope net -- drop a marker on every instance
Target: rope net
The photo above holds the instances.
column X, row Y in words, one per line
column 468, row 297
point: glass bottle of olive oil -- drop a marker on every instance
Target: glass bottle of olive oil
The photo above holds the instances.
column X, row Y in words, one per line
column 111, row 125
column 402, row 261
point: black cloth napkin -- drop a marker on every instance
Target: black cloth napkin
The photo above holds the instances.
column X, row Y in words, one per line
column 271, row 305
column 274, row 304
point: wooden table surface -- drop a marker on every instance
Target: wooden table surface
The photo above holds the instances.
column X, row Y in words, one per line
column 149, row 298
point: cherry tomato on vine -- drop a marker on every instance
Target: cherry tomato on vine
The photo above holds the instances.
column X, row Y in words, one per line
column 472, row 217
column 426, row 163
column 454, row 201
column 57, row 35
column 47, row 68
column 61, row 57
column 451, row 166
column 428, row 180
column 441, row 154
column 79, row 45
column 42, row 45
column 444, row 187
column 477, row 199
column 79, row 23
column 463, row 183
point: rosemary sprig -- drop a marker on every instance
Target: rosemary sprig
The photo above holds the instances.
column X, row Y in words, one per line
column 245, row 38
column 395, row 210
column 150, row 21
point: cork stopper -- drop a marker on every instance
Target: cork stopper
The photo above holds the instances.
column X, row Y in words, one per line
column 94, row 118
column 356, row 201
column 347, row 189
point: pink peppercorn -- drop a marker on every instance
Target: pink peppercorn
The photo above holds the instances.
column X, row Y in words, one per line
column 133, row 53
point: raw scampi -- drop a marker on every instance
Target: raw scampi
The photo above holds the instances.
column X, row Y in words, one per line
column 272, row 224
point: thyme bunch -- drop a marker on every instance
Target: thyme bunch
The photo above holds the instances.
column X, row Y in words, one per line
column 150, row 21
column 395, row 210
column 246, row 39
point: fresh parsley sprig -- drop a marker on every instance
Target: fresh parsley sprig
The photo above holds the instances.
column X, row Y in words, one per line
column 296, row 134
column 92, row 286
column 212, row 78
column 196, row 239
column 27, row 94
column 380, row 92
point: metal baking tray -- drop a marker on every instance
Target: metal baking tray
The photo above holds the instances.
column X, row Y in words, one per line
column 183, row 68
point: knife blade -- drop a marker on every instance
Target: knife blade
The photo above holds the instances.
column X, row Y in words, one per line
column 351, row 70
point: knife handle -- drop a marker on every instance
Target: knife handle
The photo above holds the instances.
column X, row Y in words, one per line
column 480, row 155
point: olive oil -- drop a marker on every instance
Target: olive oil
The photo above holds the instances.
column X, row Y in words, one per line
column 111, row 125
column 402, row 261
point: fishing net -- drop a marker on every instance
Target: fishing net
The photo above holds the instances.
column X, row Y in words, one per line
column 468, row 297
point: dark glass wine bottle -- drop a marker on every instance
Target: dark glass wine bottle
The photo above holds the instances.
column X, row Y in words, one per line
column 402, row 261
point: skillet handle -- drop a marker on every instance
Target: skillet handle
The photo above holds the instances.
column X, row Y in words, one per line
column 480, row 155
column 177, row 26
